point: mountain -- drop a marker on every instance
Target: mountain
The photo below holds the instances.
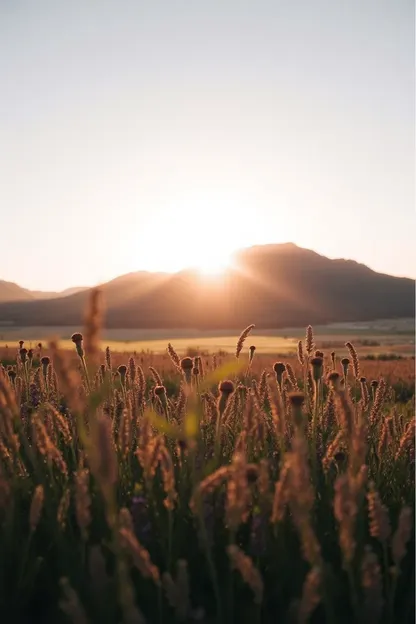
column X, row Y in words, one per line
column 9, row 291
column 41, row 294
column 270, row 285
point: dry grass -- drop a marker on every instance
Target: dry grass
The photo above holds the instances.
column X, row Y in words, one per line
column 139, row 488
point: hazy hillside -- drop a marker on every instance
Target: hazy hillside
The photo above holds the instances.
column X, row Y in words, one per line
column 41, row 294
column 9, row 291
column 272, row 285
column 12, row 292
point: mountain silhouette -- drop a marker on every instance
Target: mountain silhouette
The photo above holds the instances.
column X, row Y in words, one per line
column 272, row 286
column 9, row 291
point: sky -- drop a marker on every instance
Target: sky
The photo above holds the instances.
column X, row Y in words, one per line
column 153, row 135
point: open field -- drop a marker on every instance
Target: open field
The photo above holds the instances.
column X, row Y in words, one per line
column 230, row 494
column 397, row 337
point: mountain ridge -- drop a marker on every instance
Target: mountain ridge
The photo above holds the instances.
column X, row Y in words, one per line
column 270, row 285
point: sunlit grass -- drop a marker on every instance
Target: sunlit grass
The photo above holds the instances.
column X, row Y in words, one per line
column 212, row 489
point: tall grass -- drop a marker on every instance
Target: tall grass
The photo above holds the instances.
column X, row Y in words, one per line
column 283, row 497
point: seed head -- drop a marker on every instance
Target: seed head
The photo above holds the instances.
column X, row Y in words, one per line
column 187, row 363
column 36, row 507
column 309, row 341
column 122, row 369
column 317, row 367
column 301, row 356
column 333, row 377
column 226, row 387
column 354, row 357
column 345, row 364
column 77, row 339
column 159, row 390
column 242, row 338
column 23, row 354
column 279, row 368
column 296, row 399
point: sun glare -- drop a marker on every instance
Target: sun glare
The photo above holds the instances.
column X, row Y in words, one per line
column 199, row 231
column 214, row 266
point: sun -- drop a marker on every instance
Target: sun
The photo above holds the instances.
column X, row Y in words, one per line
column 214, row 266
column 199, row 231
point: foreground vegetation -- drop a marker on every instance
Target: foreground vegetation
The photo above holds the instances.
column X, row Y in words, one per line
column 212, row 491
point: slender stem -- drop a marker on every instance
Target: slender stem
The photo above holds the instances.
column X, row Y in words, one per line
column 354, row 595
column 87, row 377
column 210, row 564
column 170, row 523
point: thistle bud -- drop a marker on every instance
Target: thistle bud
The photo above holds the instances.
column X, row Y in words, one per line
column 297, row 400
column 45, row 361
column 187, row 365
column 279, row 368
column 226, row 387
column 23, row 354
column 334, row 378
column 317, row 368
column 122, row 369
column 345, row 364
column 159, row 390
column 77, row 339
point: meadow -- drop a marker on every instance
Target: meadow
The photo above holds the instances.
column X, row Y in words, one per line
column 378, row 338
column 264, row 484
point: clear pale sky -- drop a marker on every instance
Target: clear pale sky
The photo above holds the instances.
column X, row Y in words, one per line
column 156, row 134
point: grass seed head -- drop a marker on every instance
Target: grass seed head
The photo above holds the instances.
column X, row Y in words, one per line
column 242, row 338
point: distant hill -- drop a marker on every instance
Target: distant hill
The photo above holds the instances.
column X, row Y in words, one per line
column 272, row 286
column 9, row 291
column 12, row 292
column 40, row 294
